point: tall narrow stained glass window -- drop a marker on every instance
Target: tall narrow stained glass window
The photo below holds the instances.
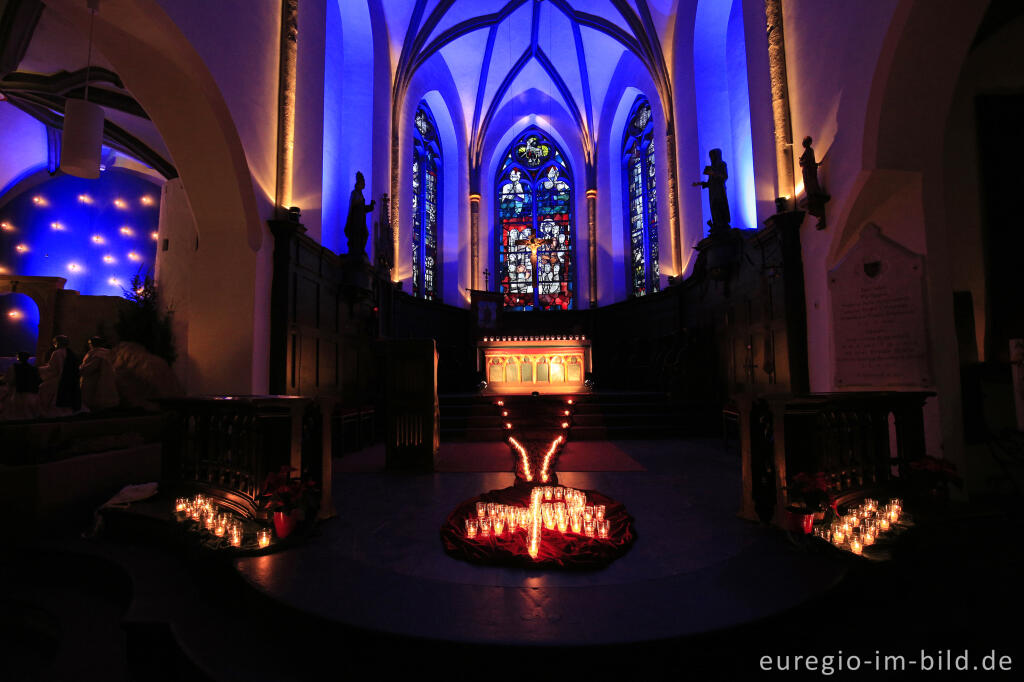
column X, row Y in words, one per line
column 426, row 190
column 533, row 192
column 638, row 172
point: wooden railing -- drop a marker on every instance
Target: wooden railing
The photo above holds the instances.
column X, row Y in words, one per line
column 225, row 446
column 860, row 441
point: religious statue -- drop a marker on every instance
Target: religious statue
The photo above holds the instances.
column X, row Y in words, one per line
column 718, row 173
column 815, row 196
column 355, row 226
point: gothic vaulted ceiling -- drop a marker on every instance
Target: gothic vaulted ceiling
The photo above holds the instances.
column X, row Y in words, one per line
column 499, row 49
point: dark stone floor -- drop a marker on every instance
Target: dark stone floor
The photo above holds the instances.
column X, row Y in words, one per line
column 83, row 610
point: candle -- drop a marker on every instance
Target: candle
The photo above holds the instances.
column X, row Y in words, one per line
column 563, row 524
column 548, row 513
column 856, row 547
column 588, row 527
column 236, row 538
column 481, row 509
column 559, row 493
column 603, row 527
column 263, row 538
column 219, row 529
column 498, row 523
column 180, row 504
column 533, row 545
column 599, row 512
column 472, row 525
column 485, row 527
column 588, row 513
column 883, row 523
column 868, row 537
column 549, row 492
column 576, row 522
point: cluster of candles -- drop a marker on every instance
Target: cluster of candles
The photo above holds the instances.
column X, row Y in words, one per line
column 551, row 508
column 862, row 525
column 562, row 337
column 204, row 512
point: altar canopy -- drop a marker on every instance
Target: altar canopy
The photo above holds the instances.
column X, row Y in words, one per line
column 528, row 364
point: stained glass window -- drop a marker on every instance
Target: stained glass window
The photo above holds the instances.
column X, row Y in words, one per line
column 638, row 172
column 534, row 204
column 426, row 189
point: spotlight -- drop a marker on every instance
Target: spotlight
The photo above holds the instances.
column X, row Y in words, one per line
column 21, row 248
column 98, row 239
column 114, row 281
column 84, row 199
column 56, row 227
column 127, row 231
column 109, row 259
column 134, row 256
column 6, row 227
column 154, row 235
column 146, row 200
column 121, row 204
column 15, row 314
column 74, row 267
column 38, row 200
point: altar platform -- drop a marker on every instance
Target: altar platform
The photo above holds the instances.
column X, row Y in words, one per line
column 694, row 568
column 535, row 364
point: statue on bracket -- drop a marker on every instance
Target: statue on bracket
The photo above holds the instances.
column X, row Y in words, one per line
column 816, row 198
column 355, row 226
column 718, row 173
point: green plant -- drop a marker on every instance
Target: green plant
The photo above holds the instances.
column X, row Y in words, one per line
column 143, row 322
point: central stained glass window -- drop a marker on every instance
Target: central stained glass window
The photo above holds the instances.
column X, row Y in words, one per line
column 533, row 195
column 426, row 188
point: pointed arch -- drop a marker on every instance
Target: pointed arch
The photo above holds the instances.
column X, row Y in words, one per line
column 639, row 177
column 427, row 164
column 533, row 197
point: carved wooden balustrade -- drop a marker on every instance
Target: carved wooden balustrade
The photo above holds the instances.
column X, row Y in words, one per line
column 225, row 446
column 860, row 441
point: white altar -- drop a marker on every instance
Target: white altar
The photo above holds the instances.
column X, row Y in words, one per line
column 527, row 364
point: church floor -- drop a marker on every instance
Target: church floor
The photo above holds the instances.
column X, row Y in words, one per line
column 701, row 595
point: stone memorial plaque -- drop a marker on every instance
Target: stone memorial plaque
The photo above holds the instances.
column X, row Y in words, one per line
column 878, row 315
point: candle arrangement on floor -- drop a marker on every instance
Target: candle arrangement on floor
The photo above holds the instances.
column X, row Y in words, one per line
column 537, row 522
column 862, row 526
column 218, row 527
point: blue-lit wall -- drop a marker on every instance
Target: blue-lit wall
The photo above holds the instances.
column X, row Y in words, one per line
column 96, row 234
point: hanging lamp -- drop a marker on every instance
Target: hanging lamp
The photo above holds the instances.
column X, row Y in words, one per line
column 82, row 140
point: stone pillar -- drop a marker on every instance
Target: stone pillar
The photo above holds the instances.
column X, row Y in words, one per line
column 474, row 241
column 780, row 99
column 675, row 238
column 286, row 86
column 592, row 243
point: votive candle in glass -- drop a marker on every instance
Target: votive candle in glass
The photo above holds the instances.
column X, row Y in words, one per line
column 485, row 527
column 548, row 515
column 236, row 538
column 263, row 538
column 897, row 504
column 576, row 522
column 855, row 546
column 599, row 510
column 563, row 523
column 549, row 493
column 603, row 526
column 559, row 493
column 868, row 537
column 481, row 509
column 588, row 513
column 839, row 533
column 883, row 523
column 588, row 527
column 472, row 525
column 180, row 504
column 498, row 524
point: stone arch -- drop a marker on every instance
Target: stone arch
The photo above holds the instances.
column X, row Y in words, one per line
column 226, row 282
column 43, row 292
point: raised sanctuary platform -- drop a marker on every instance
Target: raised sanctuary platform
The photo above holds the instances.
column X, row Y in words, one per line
column 695, row 567
column 529, row 364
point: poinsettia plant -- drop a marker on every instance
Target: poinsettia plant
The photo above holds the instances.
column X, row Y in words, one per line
column 284, row 493
column 812, row 491
column 931, row 475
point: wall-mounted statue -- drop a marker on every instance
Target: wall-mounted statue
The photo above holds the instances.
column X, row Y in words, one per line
column 355, row 226
column 718, row 173
column 816, row 198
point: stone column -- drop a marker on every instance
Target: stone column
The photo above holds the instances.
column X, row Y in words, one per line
column 780, row 99
column 675, row 238
column 287, row 79
column 474, row 241
column 592, row 243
